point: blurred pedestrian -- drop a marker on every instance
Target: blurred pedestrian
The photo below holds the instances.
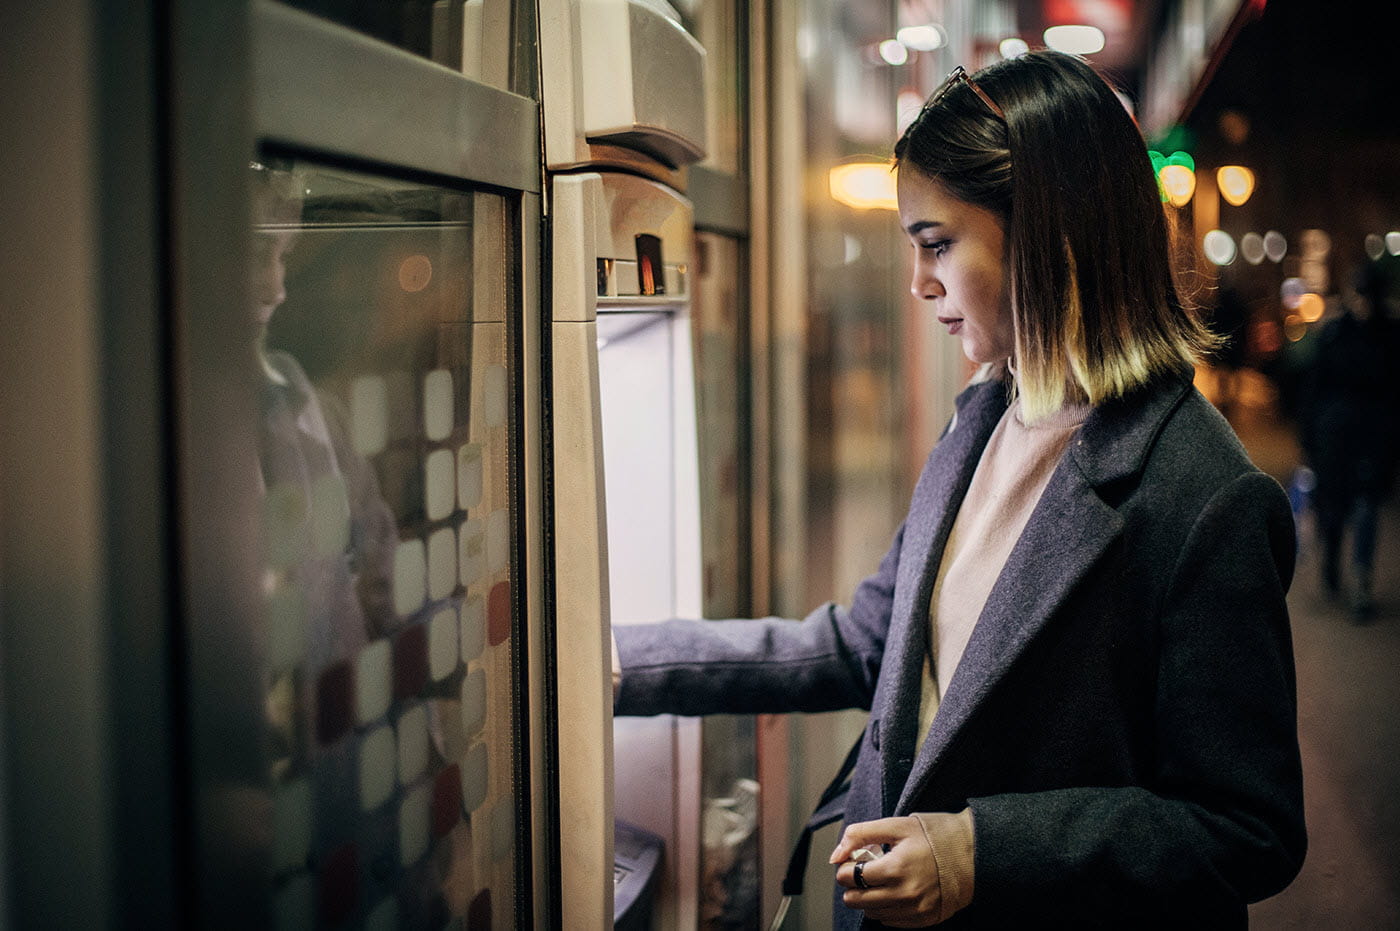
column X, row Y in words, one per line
column 1229, row 321
column 1351, row 433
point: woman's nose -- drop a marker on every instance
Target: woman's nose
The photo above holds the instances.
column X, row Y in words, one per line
column 270, row 284
column 925, row 285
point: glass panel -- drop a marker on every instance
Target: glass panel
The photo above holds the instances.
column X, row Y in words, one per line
column 476, row 37
column 729, row 876
column 720, row 327
column 720, row 27
column 380, row 310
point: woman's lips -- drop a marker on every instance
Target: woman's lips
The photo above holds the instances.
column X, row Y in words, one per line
column 954, row 324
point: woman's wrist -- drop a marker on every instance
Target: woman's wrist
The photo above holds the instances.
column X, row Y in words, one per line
column 950, row 838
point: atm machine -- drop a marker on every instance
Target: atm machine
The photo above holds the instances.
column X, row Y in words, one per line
column 623, row 115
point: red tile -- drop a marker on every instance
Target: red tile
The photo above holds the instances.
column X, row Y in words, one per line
column 498, row 614
column 338, row 884
column 447, row 800
column 479, row 912
column 410, row 661
column 335, row 703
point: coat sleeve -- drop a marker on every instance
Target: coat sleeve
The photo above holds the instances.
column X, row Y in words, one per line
column 1220, row 822
column 826, row 662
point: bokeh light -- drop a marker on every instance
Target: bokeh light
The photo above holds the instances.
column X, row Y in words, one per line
column 1291, row 292
column 1392, row 242
column 1375, row 246
column 1236, row 183
column 415, row 272
column 1179, row 183
column 1295, row 328
column 1275, row 246
column 1310, row 307
column 1075, row 40
column 894, row 52
column 864, row 185
column 924, row 38
column 1252, row 248
column 1219, row 247
column 1013, row 47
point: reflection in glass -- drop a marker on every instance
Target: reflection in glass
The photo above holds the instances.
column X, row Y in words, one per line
column 721, row 27
column 383, row 450
column 729, row 867
column 479, row 38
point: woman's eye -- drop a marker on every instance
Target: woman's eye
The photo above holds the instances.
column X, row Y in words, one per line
column 937, row 247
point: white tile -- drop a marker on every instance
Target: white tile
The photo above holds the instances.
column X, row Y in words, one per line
column 291, row 825
column 284, row 523
column 473, row 628
column 286, row 618
column 439, row 484
column 445, row 728
column 493, row 392
column 474, row 702
column 369, row 414
column 469, row 476
column 442, row 644
column 497, row 541
column 413, row 743
column 437, row 404
column 413, row 824
column 330, row 516
column 442, row 563
column 377, row 765
column 410, row 576
column 471, row 544
column 474, row 777
column 374, row 674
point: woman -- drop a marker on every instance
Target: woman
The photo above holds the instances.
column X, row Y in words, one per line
column 1076, row 654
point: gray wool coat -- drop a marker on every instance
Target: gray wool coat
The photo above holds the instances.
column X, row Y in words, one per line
column 1123, row 722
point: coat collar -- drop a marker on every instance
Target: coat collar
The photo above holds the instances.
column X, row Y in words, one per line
column 934, row 507
column 1044, row 566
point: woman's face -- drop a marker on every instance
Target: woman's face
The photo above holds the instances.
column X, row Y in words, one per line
column 959, row 265
column 269, row 271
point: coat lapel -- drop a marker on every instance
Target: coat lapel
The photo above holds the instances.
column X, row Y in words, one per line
column 940, row 491
column 1068, row 531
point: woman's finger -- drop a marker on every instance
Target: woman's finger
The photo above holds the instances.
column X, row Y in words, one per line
column 873, row 901
column 876, row 873
column 869, row 833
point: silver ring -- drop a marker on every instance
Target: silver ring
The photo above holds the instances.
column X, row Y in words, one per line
column 860, row 879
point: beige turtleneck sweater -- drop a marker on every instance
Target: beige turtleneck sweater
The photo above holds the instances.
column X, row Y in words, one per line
column 1011, row 476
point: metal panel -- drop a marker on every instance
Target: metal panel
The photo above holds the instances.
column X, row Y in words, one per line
column 642, row 80
column 582, row 610
column 54, row 588
column 320, row 87
column 542, row 693
column 218, row 497
column 721, row 202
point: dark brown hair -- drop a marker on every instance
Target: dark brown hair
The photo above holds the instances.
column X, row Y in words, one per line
column 1095, row 306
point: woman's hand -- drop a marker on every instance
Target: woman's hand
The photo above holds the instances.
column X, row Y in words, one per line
column 903, row 885
column 924, row 878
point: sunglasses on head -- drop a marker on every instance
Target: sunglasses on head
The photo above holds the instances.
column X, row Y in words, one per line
column 959, row 76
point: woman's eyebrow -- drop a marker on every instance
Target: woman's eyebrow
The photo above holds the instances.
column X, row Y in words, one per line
column 921, row 225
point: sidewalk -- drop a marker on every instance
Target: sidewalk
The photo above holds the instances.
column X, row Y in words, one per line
column 1348, row 717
